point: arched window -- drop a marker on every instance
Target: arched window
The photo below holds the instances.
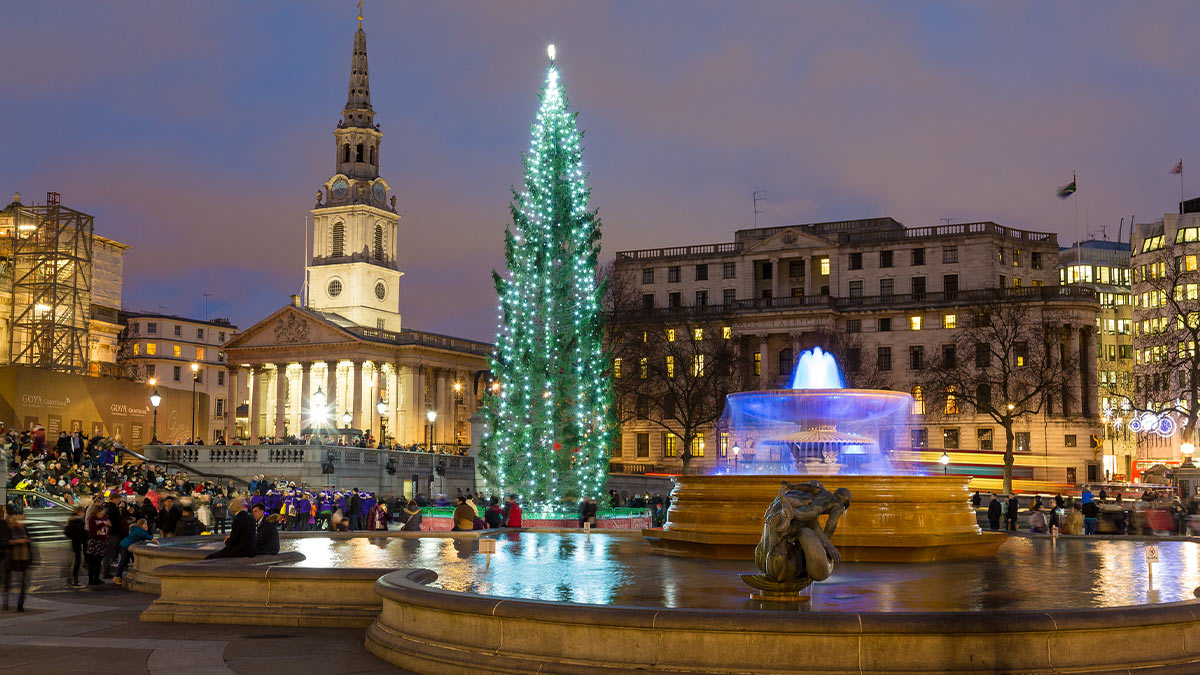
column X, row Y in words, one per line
column 379, row 242
column 918, row 406
column 983, row 398
column 339, row 240
column 372, row 155
column 358, row 152
column 785, row 361
column 951, row 400
column 346, row 152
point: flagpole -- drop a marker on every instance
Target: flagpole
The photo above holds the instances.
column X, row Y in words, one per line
column 1181, row 193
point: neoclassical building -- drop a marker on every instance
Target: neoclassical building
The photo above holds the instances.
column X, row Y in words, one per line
column 341, row 341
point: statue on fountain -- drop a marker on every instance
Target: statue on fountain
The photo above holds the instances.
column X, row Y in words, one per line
column 795, row 549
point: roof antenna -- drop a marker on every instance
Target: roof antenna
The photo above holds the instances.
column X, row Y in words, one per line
column 946, row 221
column 758, row 196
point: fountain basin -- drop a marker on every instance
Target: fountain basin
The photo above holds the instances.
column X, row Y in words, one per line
column 898, row 518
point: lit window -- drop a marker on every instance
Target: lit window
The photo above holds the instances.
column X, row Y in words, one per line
column 698, row 334
column 1189, row 263
column 617, row 368
column 151, row 348
column 199, row 353
column 914, row 323
column 698, row 365
column 824, row 267
column 727, row 331
column 723, row 444
column 670, row 444
column 670, row 366
column 918, row 406
column 645, row 367
column 698, row 445
column 949, row 321
column 137, row 349
column 758, row 363
column 951, row 401
column 178, row 353
column 670, row 335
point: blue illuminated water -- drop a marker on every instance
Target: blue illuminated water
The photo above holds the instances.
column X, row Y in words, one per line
column 817, row 369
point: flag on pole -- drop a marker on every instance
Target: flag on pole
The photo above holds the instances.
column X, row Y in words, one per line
column 1178, row 167
column 1068, row 189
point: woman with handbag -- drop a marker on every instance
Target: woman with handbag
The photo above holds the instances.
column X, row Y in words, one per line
column 97, row 544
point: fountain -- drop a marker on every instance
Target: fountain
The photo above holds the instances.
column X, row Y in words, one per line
column 852, row 438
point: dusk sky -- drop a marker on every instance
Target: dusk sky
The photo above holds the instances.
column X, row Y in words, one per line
column 199, row 132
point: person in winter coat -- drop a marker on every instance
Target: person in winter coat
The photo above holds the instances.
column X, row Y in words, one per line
column 188, row 525
column 1037, row 519
column 411, row 517
column 266, row 538
column 587, row 512
column 464, row 516
column 204, row 514
column 150, row 513
column 512, row 512
column 220, row 512
column 169, row 517
column 76, row 532
column 994, row 513
column 19, row 549
column 1011, row 516
column 98, row 529
column 137, row 533
column 241, row 539
column 493, row 516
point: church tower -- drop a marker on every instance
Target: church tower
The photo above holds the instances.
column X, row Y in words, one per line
column 353, row 271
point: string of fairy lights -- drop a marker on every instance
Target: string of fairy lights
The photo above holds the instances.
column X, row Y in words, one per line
column 548, row 416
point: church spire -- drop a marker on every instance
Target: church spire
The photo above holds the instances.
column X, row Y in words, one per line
column 358, row 111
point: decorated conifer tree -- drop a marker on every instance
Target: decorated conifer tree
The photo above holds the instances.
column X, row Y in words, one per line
column 548, row 415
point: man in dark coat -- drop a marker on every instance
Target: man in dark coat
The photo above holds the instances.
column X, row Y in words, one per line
column 63, row 446
column 266, row 538
column 1011, row 516
column 118, row 530
column 169, row 517
column 994, row 511
column 241, row 540
column 353, row 505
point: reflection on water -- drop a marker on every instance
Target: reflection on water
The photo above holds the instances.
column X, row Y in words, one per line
column 619, row 569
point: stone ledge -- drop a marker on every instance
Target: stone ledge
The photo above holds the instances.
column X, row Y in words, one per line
column 433, row 630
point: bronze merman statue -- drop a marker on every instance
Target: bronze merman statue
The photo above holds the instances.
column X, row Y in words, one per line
column 794, row 549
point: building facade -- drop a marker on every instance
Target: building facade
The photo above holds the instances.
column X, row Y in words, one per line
column 894, row 296
column 337, row 357
column 173, row 352
column 1103, row 266
column 1165, row 276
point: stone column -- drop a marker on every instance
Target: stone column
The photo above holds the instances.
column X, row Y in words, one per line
column 280, row 399
column 231, row 406
column 1076, row 390
column 331, row 391
column 373, row 399
column 797, row 345
column 775, row 274
column 764, row 362
column 1087, row 366
column 356, row 416
column 809, row 272
column 254, row 383
column 305, row 395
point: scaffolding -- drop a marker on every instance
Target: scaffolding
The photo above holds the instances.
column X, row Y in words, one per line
column 50, row 260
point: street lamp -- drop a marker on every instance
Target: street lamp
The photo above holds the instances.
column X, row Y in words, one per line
column 381, row 408
column 736, row 451
column 195, row 379
column 944, row 460
column 155, row 399
column 432, row 417
column 346, row 418
column 1187, row 449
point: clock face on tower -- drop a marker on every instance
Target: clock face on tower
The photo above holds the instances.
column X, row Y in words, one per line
column 380, row 193
column 340, row 187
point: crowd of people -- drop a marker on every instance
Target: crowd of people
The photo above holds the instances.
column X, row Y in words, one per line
column 339, row 439
column 1091, row 513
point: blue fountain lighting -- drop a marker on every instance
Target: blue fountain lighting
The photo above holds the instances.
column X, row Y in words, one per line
column 817, row 369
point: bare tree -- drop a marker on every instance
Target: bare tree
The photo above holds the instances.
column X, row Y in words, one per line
column 1010, row 362
column 672, row 371
column 1165, row 338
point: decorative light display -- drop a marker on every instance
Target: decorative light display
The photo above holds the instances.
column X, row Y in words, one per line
column 1162, row 424
column 548, row 421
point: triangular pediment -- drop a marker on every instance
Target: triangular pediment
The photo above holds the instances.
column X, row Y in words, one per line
column 789, row 239
column 291, row 325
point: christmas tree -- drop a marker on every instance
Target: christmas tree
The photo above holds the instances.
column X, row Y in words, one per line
column 548, row 416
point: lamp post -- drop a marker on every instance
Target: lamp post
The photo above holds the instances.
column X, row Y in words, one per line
column 432, row 417
column 155, row 399
column 346, row 418
column 195, row 379
column 1187, row 449
column 736, row 451
column 944, row 460
column 381, row 408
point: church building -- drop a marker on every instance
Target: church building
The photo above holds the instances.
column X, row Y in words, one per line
column 337, row 355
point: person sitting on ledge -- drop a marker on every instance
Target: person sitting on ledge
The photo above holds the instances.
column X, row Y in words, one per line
column 464, row 516
column 266, row 539
column 241, row 540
